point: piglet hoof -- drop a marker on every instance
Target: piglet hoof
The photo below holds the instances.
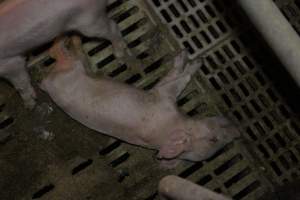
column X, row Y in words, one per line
column 181, row 59
column 29, row 97
column 120, row 49
column 125, row 55
column 30, row 103
column 168, row 164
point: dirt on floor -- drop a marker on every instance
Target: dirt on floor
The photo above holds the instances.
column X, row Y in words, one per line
column 41, row 147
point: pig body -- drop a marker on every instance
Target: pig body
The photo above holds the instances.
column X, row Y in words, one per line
column 26, row 24
column 150, row 119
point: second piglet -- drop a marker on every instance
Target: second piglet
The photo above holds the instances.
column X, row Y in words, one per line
column 27, row 24
column 150, row 119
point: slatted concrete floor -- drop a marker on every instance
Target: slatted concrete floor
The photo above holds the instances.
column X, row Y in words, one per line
column 85, row 165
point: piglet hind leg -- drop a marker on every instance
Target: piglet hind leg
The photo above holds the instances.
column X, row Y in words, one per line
column 76, row 46
column 107, row 29
column 61, row 54
column 13, row 69
column 176, row 80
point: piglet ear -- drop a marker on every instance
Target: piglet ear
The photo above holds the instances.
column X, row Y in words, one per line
column 177, row 144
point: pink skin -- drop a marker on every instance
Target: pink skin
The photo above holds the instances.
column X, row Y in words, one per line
column 150, row 119
column 26, row 24
column 176, row 188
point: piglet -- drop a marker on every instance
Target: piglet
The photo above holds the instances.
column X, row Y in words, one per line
column 26, row 24
column 146, row 118
column 176, row 188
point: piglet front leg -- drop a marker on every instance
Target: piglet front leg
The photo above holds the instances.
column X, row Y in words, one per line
column 108, row 29
column 172, row 85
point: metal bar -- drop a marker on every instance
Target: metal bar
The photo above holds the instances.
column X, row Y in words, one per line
column 176, row 188
column 277, row 31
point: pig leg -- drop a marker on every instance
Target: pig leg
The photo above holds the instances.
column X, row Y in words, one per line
column 107, row 29
column 176, row 80
column 14, row 71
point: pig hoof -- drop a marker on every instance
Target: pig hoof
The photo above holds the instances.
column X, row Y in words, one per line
column 30, row 104
column 121, row 50
column 29, row 98
column 182, row 57
column 119, row 54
